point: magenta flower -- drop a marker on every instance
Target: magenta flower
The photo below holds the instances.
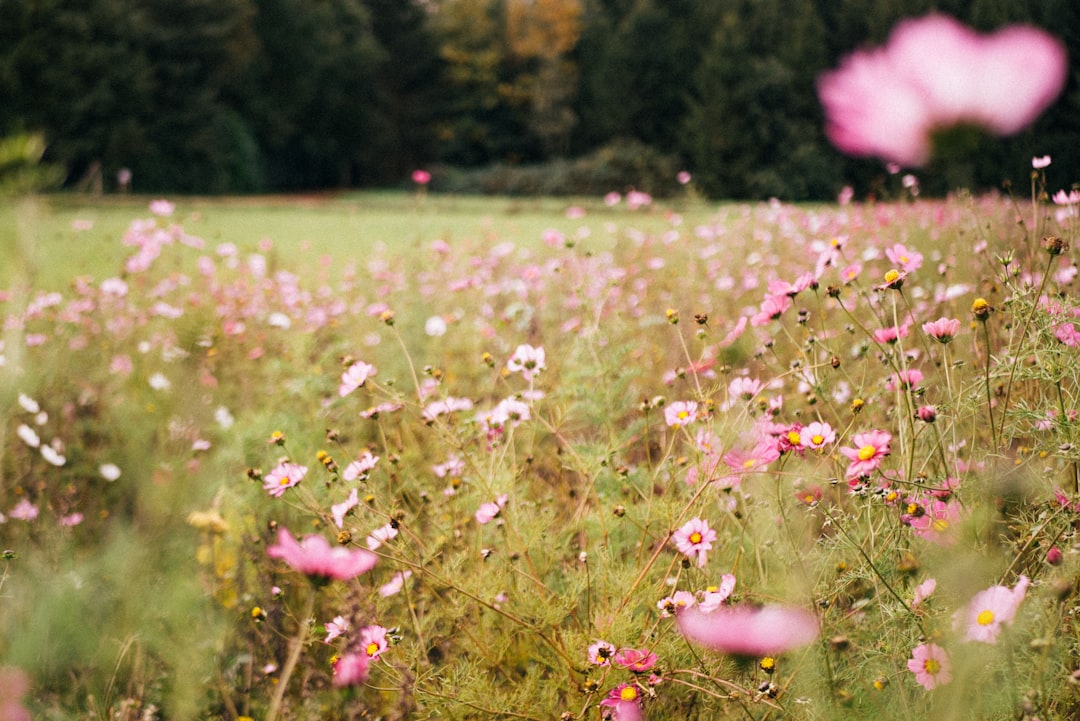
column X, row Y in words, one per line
column 421, row 177
column 695, row 539
column 870, row 449
column 283, row 477
column 943, row 330
column 930, row 664
column 316, row 559
column 990, row 609
column 625, row 703
column 935, row 73
column 638, row 660
column 749, row 630
column 351, row 670
column 905, row 379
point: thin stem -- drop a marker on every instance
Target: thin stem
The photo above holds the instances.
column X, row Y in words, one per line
column 294, row 656
column 1023, row 334
column 986, row 380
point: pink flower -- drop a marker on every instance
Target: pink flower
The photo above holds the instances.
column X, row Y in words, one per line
column 624, row 702
column 905, row 380
column 282, row 478
column 380, row 536
column 943, row 330
column 355, row 376
column 638, row 660
column 930, row 664
column 870, row 449
column 935, row 73
column 24, row 510
column 990, row 609
column 816, row 435
column 680, row 413
column 315, row 558
column 670, row 605
column 748, row 630
column 695, row 539
column 373, row 641
column 488, row 511
column 161, row 208
column 421, row 177
column 937, row 523
column 601, row 653
column 351, row 670
column 395, row 584
column 1040, row 161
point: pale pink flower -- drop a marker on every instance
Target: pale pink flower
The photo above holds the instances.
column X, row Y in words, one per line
column 380, row 536
column 930, row 664
column 336, row 628
column 816, row 435
column 315, row 558
column 906, row 259
column 694, row 540
column 395, row 584
column 24, row 510
column 1040, row 161
column 527, row 361
column 338, row 510
column 937, row 523
column 714, row 596
column 870, row 450
column 749, row 630
column 161, row 208
column 361, row 467
column 923, row 591
column 935, row 73
column 283, row 477
column 1070, row 198
column 601, row 653
column 990, row 609
column 680, row 413
column 943, row 330
column 670, row 605
column 488, row 511
column 355, row 376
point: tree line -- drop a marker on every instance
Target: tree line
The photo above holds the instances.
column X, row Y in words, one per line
column 226, row 96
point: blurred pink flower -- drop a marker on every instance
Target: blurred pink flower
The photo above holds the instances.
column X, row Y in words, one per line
column 923, row 591
column 14, row 684
column 351, row 670
column 989, row 609
column 748, row 630
column 933, row 73
column 335, row 628
column 488, row 511
column 930, row 664
column 355, row 376
column 421, row 177
column 315, row 558
column 338, row 510
column 943, row 330
column 527, row 361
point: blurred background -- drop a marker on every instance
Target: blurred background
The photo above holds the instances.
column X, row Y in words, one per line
column 566, row 97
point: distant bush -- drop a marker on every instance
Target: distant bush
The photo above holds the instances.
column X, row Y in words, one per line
column 620, row 166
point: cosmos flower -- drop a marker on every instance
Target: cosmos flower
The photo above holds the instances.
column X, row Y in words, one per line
column 694, row 540
column 749, row 630
column 316, row 559
column 930, row 664
column 990, row 609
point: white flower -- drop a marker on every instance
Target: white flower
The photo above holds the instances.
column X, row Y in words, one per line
column 159, row 382
column 224, row 418
column 28, row 435
column 52, row 456
column 28, row 404
column 435, row 326
column 109, row 471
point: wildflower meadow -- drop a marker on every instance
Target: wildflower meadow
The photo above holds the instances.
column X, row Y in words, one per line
column 653, row 460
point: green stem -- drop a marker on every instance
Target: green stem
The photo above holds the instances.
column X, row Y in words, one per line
column 294, row 657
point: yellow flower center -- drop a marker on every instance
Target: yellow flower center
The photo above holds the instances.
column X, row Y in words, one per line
column 985, row 618
column 793, row 437
column 867, row 452
column 749, row 463
column 931, row 666
column 940, row 524
column 695, row 537
column 817, row 439
column 284, row 481
column 628, row 694
column 903, row 259
column 372, row 648
column 892, row 275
